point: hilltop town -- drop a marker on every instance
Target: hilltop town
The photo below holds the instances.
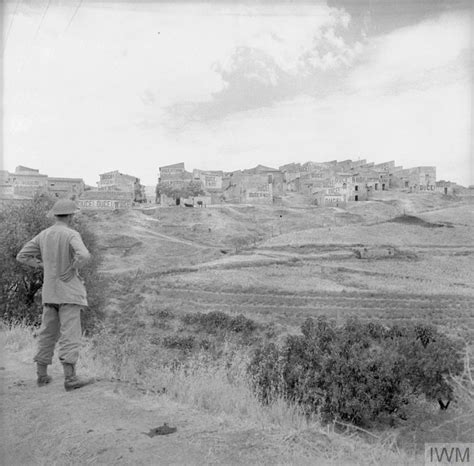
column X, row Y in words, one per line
column 331, row 183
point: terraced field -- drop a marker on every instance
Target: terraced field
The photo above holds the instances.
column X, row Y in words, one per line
column 281, row 265
column 292, row 309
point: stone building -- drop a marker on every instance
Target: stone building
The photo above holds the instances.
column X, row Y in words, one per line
column 175, row 175
column 258, row 185
column 447, row 188
column 70, row 188
column 248, row 188
column 6, row 187
column 417, row 179
column 150, row 194
column 28, row 182
column 211, row 181
column 275, row 178
column 116, row 181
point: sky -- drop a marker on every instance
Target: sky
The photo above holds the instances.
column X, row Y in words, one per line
column 91, row 87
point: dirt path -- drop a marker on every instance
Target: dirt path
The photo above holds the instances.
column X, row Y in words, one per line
column 105, row 424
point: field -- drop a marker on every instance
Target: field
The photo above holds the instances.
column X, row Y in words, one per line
column 283, row 264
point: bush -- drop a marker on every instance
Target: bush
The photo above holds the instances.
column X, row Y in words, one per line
column 357, row 372
column 183, row 343
column 216, row 321
column 20, row 286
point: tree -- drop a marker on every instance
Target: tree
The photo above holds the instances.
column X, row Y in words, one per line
column 20, row 286
column 191, row 189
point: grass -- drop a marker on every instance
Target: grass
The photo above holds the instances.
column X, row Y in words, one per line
column 220, row 387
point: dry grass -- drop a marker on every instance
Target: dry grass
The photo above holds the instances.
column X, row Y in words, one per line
column 221, row 388
column 393, row 234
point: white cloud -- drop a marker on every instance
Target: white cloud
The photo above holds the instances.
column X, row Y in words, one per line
column 419, row 128
column 415, row 56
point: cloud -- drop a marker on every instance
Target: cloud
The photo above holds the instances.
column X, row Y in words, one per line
column 417, row 127
column 273, row 63
column 377, row 17
column 430, row 54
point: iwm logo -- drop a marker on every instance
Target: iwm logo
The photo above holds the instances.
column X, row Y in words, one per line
column 449, row 453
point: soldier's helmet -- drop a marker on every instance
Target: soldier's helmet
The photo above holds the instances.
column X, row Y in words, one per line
column 64, row 207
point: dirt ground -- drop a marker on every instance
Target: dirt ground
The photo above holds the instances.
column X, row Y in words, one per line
column 106, row 423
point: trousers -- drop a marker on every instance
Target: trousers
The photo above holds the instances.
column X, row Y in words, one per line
column 61, row 323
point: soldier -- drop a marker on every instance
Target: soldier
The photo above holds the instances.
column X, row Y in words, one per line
column 60, row 252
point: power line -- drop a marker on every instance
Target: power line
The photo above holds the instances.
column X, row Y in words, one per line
column 73, row 15
column 42, row 19
column 25, row 59
column 11, row 24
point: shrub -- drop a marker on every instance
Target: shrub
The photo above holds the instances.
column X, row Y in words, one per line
column 183, row 343
column 20, row 286
column 357, row 372
column 216, row 321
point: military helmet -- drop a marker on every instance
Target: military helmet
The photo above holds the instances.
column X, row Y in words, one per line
column 64, row 207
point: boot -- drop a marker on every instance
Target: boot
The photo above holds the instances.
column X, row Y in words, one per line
column 72, row 381
column 42, row 373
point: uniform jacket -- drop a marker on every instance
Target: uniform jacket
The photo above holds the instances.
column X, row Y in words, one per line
column 59, row 250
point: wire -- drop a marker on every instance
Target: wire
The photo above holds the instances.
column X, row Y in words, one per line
column 42, row 19
column 11, row 24
column 73, row 16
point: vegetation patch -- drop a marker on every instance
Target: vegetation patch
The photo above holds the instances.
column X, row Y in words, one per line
column 20, row 286
column 217, row 321
column 359, row 372
column 416, row 221
column 184, row 343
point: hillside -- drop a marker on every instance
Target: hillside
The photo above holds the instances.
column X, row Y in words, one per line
column 162, row 356
column 378, row 259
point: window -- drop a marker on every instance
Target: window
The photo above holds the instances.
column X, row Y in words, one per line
column 357, row 189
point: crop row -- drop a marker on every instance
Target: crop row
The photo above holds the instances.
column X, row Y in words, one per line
column 438, row 311
column 404, row 304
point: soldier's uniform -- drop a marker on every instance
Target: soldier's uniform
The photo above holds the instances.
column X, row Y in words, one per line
column 60, row 251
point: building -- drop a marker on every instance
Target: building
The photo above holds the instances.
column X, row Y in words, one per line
column 116, row 181
column 276, row 178
column 70, row 188
column 211, row 181
column 417, row 179
column 175, row 175
column 28, row 182
column 447, row 188
column 150, row 194
column 6, row 187
column 249, row 187
column 105, row 200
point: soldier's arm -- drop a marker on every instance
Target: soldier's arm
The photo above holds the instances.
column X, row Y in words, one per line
column 81, row 254
column 30, row 254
